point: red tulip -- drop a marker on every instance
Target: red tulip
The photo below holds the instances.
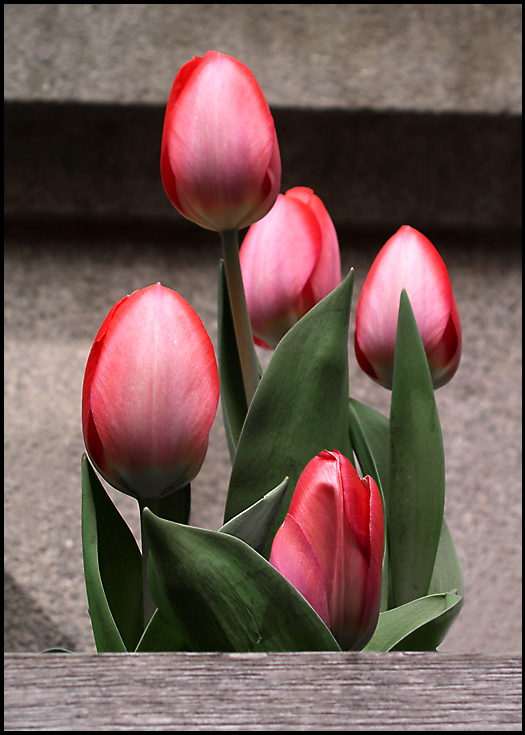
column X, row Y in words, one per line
column 408, row 261
column 290, row 261
column 330, row 547
column 150, row 395
column 220, row 161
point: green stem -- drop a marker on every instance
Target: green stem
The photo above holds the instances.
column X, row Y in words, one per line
column 241, row 319
column 148, row 604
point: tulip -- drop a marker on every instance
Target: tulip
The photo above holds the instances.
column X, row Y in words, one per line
column 150, row 394
column 408, row 261
column 220, row 161
column 330, row 547
column 290, row 260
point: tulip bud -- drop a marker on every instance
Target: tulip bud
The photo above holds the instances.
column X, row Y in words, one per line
column 150, row 394
column 290, row 260
column 330, row 547
column 220, row 161
column 408, row 261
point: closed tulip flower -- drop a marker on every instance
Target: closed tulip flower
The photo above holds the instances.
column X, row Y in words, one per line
column 408, row 261
column 290, row 260
column 150, row 394
column 330, row 547
column 220, row 161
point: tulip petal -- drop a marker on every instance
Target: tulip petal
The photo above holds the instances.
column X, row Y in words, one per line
column 220, row 161
column 112, row 569
column 407, row 261
column 278, row 256
column 445, row 358
column 150, row 394
column 327, row 272
column 290, row 261
column 330, row 546
column 293, row 555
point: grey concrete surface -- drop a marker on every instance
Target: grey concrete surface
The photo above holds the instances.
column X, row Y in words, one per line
column 393, row 114
column 382, row 109
column 464, row 57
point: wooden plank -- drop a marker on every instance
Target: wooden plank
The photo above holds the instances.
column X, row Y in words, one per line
column 276, row 691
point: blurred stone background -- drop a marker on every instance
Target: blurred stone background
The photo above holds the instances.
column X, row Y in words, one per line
column 393, row 114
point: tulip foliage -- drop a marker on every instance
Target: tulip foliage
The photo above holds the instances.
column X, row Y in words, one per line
column 334, row 536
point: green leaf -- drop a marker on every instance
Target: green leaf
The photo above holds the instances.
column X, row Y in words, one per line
column 447, row 573
column 370, row 437
column 253, row 525
column 299, row 408
column 161, row 635
column 419, row 625
column 112, row 569
column 223, row 596
column 416, row 493
column 428, row 637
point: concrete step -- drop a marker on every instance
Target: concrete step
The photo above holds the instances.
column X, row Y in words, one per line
column 390, row 113
column 369, row 168
column 462, row 58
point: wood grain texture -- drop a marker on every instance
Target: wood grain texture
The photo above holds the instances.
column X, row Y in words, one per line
column 275, row 691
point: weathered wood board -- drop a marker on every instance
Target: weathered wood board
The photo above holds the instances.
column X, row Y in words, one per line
column 286, row 691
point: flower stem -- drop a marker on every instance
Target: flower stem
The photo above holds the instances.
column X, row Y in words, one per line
column 148, row 604
column 241, row 319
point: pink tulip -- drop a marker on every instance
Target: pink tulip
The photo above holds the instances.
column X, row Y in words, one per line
column 150, row 395
column 408, row 261
column 330, row 547
column 220, row 161
column 290, row 260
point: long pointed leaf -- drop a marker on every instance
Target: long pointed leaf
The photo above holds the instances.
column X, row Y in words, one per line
column 416, row 494
column 370, row 437
column 161, row 635
column 253, row 525
column 223, row 596
column 112, row 569
column 299, row 408
column 447, row 574
column 419, row 625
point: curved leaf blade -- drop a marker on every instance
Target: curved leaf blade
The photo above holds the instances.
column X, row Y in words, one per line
column 161, row 635
column 370, row 437
column 447, row 574
column 112, row 569
column 419, row 625
column 416, row 494
column 223, row 596
column 299, row 408
column 253, row 525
